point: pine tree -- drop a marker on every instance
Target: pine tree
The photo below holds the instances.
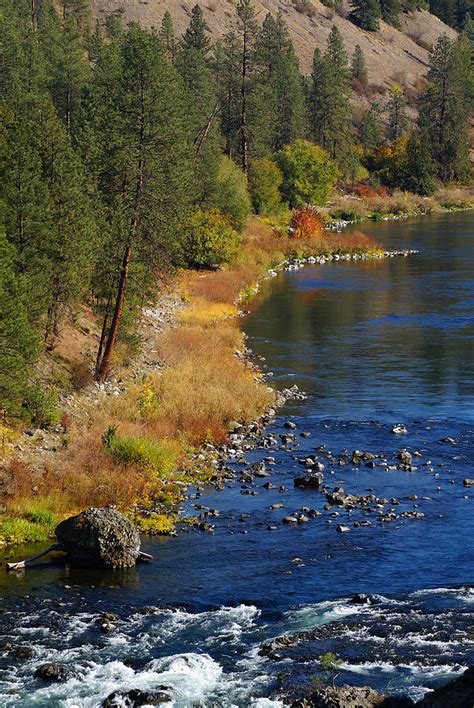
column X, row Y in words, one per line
column 80, row 10
column 398, row 121
column 366, row 14
column 359, row 69
column 202, row 107
column 167, row 36
column 68, row 71
column 48, row 215
column 278, row 105
column 142, row 160
column 227, row 63
column 391, row 10
column 445, row 107
column 95, row 43
column 330, row 104
column 247, row 32
column 469, row 29
column 19, row 346
column 419, row 171
column 371, row 129
column 195, row 36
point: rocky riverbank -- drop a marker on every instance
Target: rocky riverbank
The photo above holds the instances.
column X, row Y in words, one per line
column 177, row 339
column 458, row 693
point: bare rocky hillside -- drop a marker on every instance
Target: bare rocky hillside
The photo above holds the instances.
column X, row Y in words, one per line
column 392, row 55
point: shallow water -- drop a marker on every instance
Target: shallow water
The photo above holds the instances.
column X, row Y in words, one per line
column 372, row 343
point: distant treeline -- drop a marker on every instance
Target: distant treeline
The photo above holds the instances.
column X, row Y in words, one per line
column 126, row 152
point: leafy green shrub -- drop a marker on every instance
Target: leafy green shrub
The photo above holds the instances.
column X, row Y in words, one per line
column 309, row 174
column 41, row 407
column 345, row 215
column 158, row 458
column 231, row 195
column 266, row 179
column 210, row 240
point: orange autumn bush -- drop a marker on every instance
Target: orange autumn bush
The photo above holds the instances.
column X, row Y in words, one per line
column 306, row 223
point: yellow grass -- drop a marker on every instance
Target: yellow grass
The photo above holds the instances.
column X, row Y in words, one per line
column 204, row 384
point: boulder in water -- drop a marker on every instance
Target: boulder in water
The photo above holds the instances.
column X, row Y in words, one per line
column 459, row 693
column 135, row 698
column 334, row 697
column 99, row 538
column 52, row 672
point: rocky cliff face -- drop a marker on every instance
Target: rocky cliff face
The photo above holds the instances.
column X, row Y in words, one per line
column 392, row 55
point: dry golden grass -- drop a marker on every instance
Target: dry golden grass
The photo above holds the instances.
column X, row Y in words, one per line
column 161, row 421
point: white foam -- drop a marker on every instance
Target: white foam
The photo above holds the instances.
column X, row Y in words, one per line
column 312, row 616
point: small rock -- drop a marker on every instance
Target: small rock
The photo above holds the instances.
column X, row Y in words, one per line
column 361, row 599
column 468, row 482
column 137, row 698
column 342, row 529
column 52, row 672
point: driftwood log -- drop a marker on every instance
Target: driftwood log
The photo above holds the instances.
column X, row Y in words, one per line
column 96, row 538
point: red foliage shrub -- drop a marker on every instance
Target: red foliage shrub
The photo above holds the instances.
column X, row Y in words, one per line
column 306, row 223
column 365, row 191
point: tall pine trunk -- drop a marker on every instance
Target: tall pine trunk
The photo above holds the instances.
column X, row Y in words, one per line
column 103, row 364
column 243, row 119
column 109, row 335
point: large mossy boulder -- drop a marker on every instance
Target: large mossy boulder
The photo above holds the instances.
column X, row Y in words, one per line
column 99, row 538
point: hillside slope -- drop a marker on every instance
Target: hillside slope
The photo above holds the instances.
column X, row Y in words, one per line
column 392, row 55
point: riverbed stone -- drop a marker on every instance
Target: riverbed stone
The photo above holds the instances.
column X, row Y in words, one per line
column 335, row 697
column 309, row 481
column 136, row 698
column 99, row 538
column 52, row 671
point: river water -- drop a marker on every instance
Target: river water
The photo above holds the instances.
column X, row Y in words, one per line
column 373, row 344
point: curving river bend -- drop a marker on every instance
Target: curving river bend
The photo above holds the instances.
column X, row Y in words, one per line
column 373, row 344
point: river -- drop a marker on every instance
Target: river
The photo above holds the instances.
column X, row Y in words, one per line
column 373, row 344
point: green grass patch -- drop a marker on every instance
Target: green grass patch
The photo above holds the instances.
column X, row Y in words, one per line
column 24, row 530
column 156, row 524
column 157, row 458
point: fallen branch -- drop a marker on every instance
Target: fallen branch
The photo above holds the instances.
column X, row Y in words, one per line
column 22, row 564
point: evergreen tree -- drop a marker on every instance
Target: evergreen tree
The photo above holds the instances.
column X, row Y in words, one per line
column 277, row 105
column 445, row 107
column 95, row 43
column 47, row 212
column 64, row 51
column 80, row 10
column 247, row 33
column 330, row 98
column 18, row 342
column 469, row 29
column 419, row 170
column 167, row 36
column 195, row 36
column 142, row 160
column 359, row 69
column 397, row 114
column 202, row 107
column 391, row 10
column 371, row 129
column 366, row 14
column 227, row 64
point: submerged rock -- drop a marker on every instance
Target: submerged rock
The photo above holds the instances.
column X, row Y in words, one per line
column 334, row 697
column 309, row 481
column 459, row 693
column 52, row 672
column 136, row 697
column 100, row 538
